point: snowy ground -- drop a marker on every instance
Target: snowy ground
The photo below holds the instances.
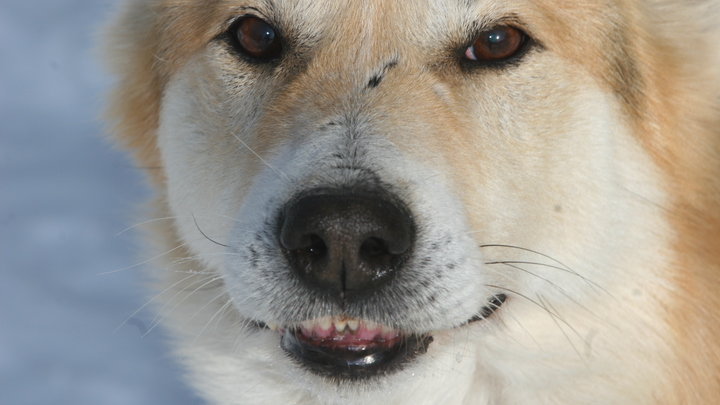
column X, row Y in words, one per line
column 64, row 196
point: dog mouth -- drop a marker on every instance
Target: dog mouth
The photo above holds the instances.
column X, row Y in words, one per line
column 349, row 348
column 344, row 348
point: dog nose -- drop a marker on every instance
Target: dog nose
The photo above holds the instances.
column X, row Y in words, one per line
column 346, row 243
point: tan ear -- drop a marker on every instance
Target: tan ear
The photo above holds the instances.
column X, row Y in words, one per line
column 129, row 50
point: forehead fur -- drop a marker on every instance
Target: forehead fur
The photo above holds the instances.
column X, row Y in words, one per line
column 152, row 38
column 629, row 46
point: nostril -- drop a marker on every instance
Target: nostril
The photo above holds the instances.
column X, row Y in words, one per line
column 375, row 254
column 306, row 250
column 373, row 247
column 317, row 247
column 314, row 250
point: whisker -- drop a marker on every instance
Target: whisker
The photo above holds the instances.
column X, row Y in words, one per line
column 182, row 245
column 225, row 305
column 156, row 321
column 221, row 317
column 202, row 281
column 550, row 310
column 151, row 300
column 557, row 287
column 278, row 172
column 564, row 267
column 511, row 262
column 527, row 298
column 172, row 217
column 145, row 223
column 167, row 252
column 184, row 260
column 221, row 309
column 514, row 318
column 203, row 233
column 563, row 331
column 527, row 250
column 225, row 292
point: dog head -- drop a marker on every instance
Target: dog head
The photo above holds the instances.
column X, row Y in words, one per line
column 446, row 197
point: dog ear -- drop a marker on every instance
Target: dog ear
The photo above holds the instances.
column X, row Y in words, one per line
column 134, row 102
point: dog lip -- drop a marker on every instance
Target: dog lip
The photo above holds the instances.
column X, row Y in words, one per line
column 350, row 357
column 326, row 347
column 257, row 324
column 493, row 305
column 320, row 327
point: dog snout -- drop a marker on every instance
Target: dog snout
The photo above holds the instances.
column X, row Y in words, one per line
column 346, row 243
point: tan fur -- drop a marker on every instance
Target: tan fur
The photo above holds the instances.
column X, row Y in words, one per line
column 658, row 58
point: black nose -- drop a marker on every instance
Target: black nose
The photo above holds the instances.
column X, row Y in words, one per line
column 344, row 242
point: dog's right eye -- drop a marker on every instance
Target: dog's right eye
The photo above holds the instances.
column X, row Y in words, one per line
column 256, row 38
column 496, row 44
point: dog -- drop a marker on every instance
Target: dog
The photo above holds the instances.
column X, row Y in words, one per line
column 430, row 202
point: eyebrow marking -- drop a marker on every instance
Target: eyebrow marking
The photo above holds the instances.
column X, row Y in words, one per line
column 378, row 77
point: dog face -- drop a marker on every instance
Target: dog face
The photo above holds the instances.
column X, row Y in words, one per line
column 413, row 200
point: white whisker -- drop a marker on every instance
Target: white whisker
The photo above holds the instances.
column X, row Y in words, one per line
column 277, row 171
column 150, row 301
column 157, row 321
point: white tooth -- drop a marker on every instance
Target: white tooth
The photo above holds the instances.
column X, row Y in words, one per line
column 353, row 324
column 370, row 325
column 386, row 330
column 272, row 325
column 324, row 322
column 340, row 324
column 307, row 325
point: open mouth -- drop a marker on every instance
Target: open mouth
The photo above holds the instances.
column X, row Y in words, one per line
column 349, row 348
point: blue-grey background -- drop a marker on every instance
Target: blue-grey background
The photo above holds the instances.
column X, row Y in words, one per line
column 65, row 194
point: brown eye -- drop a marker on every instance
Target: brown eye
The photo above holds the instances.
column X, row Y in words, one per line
column 497, row 43
column 256, row 38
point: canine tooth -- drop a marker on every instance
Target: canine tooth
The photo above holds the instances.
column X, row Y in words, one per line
column 340, row 324
column 272, row 325
column 324, row 323
column 307, row 325
column 353, row 324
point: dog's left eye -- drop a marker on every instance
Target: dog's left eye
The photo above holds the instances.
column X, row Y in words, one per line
column 496, row 44
column 256, row 38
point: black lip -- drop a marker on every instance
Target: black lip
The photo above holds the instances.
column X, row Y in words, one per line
column 366, row 361
column 355, row 362
column 495, row 302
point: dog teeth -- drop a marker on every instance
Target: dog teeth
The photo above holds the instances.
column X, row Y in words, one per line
column 387, row 331
column 329, row 326
column 307, row 325
column 370, row 325
column 272, row 325
column 353, row 324
column 324, row 323
column 340, row 325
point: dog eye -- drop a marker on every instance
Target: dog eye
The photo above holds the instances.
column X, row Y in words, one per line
column 495, row 44
column 256, row 38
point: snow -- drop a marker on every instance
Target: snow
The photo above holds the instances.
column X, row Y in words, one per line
column 65, row 195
